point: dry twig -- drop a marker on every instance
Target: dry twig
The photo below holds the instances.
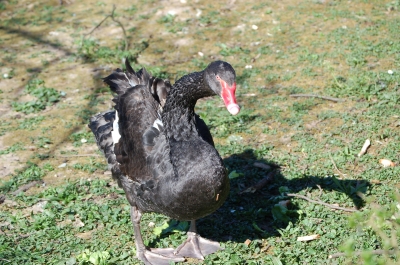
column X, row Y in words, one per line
column 320, row 191
column 262, row 165
column 358, row 253
column 334, row 164
column 317, row 96
column 364, row 148
column 65, row 156
column 321, row 203
column 101, row 22
column 261, row 183
column 265, row 249
column 26, row 187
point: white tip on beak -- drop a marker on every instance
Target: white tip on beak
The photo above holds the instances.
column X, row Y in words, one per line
column 233, row 109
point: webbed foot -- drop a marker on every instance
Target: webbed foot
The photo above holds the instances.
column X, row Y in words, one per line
column 159, row 256
column 197, row 247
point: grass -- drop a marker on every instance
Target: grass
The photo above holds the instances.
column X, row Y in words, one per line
column 332, row 48
column 44, row 97
column 13, row 148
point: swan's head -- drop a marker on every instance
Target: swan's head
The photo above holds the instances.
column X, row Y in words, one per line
column 221, row 78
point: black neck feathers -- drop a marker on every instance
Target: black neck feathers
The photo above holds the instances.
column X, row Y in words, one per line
column 178, row 113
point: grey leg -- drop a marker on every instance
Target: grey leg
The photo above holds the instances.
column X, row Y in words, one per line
column 150, row 256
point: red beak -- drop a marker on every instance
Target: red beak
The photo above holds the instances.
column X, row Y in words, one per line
column 228, row 95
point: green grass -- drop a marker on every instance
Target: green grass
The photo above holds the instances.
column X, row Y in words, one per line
column 45, row 97
column 31, row 173
column 90, row 167
column 30, row 123
column 13, row 148
column 80, row 138
column 347, row 50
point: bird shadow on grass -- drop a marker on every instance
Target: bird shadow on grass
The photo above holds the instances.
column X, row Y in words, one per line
column 247, row 215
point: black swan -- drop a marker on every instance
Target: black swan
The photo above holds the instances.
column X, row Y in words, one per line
column 162, row 154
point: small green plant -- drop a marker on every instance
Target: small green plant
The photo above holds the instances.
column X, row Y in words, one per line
column 380, row 222
column 227, row 51
column 12, row 149
column 393, row 5
column 95, row 258
column 91, row 167
column 172, row 226
column 91, row 50
column 131, row 10
column 82, row 137
column 30, row 123
column 32, row 172
column 9, row 75
column 168, row 18
column 5, row 126
column 45, row 97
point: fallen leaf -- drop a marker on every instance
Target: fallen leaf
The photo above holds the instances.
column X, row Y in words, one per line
column 38, row 207
column 85, row 235
column 10, row 203
column 8, row 225
column 308, row 238
column 78, row 223
column 386, row 163
column 64, row 223
column 234, row 175
column 286, row 139
column 247, row 242
column 375, row 181
column 312, row 124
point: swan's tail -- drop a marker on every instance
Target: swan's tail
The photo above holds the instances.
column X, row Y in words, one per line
column 102, row 127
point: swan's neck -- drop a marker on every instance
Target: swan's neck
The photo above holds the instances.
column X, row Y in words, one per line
column 178, row 113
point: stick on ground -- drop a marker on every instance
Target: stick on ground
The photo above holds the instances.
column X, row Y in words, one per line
column 358, row 253
column 321, row 203
column 317, row 96
column 334, row 164
column 26, row 187
column 82, row 155
column 260, row 184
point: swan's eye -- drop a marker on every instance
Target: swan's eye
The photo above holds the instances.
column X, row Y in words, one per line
column 218, row 78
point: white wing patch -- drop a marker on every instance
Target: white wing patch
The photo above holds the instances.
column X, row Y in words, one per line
column 115, row 132
column 158, row 124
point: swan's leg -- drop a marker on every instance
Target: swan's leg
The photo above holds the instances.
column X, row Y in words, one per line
column 154, row 256
column 195, row 246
